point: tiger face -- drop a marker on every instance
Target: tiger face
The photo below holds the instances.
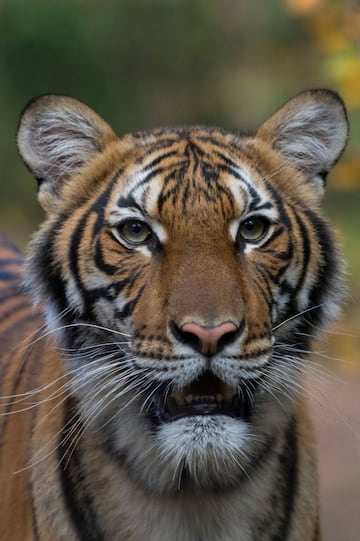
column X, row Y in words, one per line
column 179, row 270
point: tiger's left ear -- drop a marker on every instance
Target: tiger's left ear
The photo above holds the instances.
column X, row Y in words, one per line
column 57, row 137
column 310, row 131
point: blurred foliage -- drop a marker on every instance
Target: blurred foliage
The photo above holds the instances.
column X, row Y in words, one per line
column 334, row 27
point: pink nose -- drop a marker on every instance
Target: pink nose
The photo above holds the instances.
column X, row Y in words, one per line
column 209, row 337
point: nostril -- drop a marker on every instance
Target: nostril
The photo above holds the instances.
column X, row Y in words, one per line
column 185, row 337
column 227, row 339
column 206, row 340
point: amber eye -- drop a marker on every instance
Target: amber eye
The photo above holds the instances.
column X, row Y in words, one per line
column 253, row 229
column 134, row 231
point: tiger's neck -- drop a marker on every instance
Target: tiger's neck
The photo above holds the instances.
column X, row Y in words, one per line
column 102, row 500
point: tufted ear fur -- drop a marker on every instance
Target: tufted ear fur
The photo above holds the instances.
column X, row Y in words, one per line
column 311, row 131
column 57, row 136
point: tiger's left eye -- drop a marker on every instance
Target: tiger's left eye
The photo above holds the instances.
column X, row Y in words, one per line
column 134, row 231
column 253, row 229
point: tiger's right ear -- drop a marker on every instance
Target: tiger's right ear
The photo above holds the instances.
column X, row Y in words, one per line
column 56, row 137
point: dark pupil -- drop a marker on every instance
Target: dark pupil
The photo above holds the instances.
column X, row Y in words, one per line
column 136, row 227
column 251, row 225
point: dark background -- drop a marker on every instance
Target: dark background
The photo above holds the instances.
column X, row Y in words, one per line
column 146, row 63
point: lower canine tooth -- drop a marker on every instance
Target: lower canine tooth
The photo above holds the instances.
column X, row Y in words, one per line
column 189, row 398
column 219, row 398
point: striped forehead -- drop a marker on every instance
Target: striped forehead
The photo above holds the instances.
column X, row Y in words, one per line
column 188, row 183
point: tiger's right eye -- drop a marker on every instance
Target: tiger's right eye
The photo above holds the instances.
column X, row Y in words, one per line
column 253, row 229
column 134, row 232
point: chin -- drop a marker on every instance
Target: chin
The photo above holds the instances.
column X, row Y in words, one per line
column 208, row 451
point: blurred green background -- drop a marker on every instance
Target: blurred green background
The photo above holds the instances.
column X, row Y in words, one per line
column 145, row 63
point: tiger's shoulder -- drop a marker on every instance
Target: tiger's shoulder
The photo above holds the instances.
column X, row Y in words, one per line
column 27, row 366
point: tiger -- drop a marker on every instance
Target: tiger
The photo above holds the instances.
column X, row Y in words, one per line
column 156, row 339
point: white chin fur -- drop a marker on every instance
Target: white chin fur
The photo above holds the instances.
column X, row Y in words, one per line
column 210, row 448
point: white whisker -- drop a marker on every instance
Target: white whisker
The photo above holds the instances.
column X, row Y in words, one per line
column 295, row 316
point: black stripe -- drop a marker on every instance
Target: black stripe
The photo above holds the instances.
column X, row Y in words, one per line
column 79, row 501
column 73, row 256
column 260, row 206
column 6, row 276
column 258, row 461
column 289, row 468
column 77, row 236
column 284, row 217
column 129, row 306
column 226, row 159
column 159, row 159
column 166, row 192
column 162, row 144
column 274, row 236
column 128, row 202
column 111, row 291
column 100, row 262
column 292, row 307
column 328, row 271
column 264, row 281
column 194, row 150
column 306, row 251
column 256, row 200
column 152, row 174
column 49, row 273
column 185, row 197
column 229, row 144
column 34, row 524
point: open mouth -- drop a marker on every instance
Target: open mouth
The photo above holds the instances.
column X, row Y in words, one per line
column 208, row 395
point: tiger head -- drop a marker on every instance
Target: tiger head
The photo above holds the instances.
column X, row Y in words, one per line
column 183, row 271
